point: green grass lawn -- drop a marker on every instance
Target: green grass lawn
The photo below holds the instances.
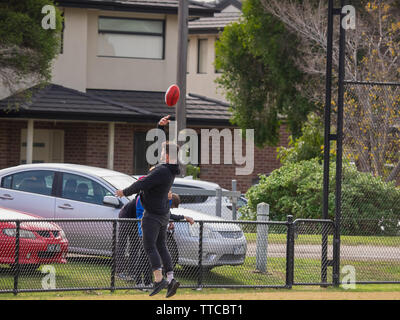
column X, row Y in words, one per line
column 96, row 273
column 121, row 294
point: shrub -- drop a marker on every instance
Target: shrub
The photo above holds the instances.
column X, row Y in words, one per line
column 193, row 171
column 369, row 205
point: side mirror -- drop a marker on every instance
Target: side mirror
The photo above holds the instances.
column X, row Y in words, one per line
column 112, row 201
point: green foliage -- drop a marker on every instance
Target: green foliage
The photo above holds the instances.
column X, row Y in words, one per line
column 25, row 47
column 193, row 171
column 370, row 206
column 256, row 58
column 308, row 146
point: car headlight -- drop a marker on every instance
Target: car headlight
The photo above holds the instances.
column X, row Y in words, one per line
column 25, row 234
column 208, row 231
column 62, row 234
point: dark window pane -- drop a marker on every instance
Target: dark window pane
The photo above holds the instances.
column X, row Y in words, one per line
column 40, row 181
column 140, row 146
column 82, row 189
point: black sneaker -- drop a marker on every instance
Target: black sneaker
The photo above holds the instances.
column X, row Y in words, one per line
column 158, row 286
column 172, row 287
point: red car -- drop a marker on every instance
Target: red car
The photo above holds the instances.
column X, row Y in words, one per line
column 40, row 242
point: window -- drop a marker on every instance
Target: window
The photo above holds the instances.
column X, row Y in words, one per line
column 62, row 34
column 40, row 181
column 202, row 56
column 188, row 57
column 131, row 38
column 6, row 182
column 216, row 70
column 80, row 188
column 190, row 198
column 140, row 146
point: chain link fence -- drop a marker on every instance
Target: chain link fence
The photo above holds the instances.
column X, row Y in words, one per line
column 94, row 254
column 370, row 223
column 216, row 251
column 310, row 261
column 64, row 255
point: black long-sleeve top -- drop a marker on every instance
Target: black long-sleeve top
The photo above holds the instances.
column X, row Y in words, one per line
column 176, row 217
column 155, row 187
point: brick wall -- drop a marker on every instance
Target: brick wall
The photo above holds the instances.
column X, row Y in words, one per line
column 265, row 161
column 3, row 145
column 96, row 145
column 10, row 139
column 123, row 148
column 86, row 143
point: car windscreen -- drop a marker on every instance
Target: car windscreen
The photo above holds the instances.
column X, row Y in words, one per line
column 120, row 182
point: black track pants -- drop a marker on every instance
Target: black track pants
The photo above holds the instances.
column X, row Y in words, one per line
column 155, row 243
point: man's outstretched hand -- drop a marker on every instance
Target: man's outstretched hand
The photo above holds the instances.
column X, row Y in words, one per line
column 164, row 121
column 119, row 193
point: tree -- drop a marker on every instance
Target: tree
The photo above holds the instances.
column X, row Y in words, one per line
column 256, row 58
column 308, row 146
column 371, row 54
column 26, row 48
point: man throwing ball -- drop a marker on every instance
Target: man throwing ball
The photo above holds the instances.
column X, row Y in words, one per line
column 154, row 197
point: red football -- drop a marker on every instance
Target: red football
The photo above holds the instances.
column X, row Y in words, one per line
column 172, row 95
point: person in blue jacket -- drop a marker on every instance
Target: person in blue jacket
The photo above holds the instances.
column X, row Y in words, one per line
column 143, row 264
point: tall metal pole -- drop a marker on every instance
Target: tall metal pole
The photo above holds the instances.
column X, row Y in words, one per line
column 180, row 114
column 327, row 138
column 339, row 152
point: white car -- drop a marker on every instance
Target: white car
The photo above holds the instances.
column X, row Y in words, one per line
column 58, row 190
column 205, row 203
column 223, row 243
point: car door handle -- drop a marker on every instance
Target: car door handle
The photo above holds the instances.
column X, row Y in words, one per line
column 6, row 197
column 66, row 206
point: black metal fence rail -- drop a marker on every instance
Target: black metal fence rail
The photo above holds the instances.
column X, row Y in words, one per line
column 107, row 254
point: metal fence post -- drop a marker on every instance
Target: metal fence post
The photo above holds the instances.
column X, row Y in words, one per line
column 262, row 237
column 113, row 256
column 16, row 257
column 218, row 201
column 290, row 252
column 339, row 151
column 200, row 266
column 234, row 200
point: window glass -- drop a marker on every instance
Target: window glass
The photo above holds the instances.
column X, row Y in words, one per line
column 80, row 188
column 130, row 25
column 190, row 198
column 62, row 34
column 6, row 182
column 202, row 56
column 241, row 202
column 39, row 181
column 130, row 46
column 131, row 38
column 216, row 70
column 188, row 57
column 140, row 145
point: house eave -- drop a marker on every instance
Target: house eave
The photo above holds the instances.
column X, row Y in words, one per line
column 132, row 7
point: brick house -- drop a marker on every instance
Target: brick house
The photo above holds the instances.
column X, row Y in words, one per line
column 105, row 95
